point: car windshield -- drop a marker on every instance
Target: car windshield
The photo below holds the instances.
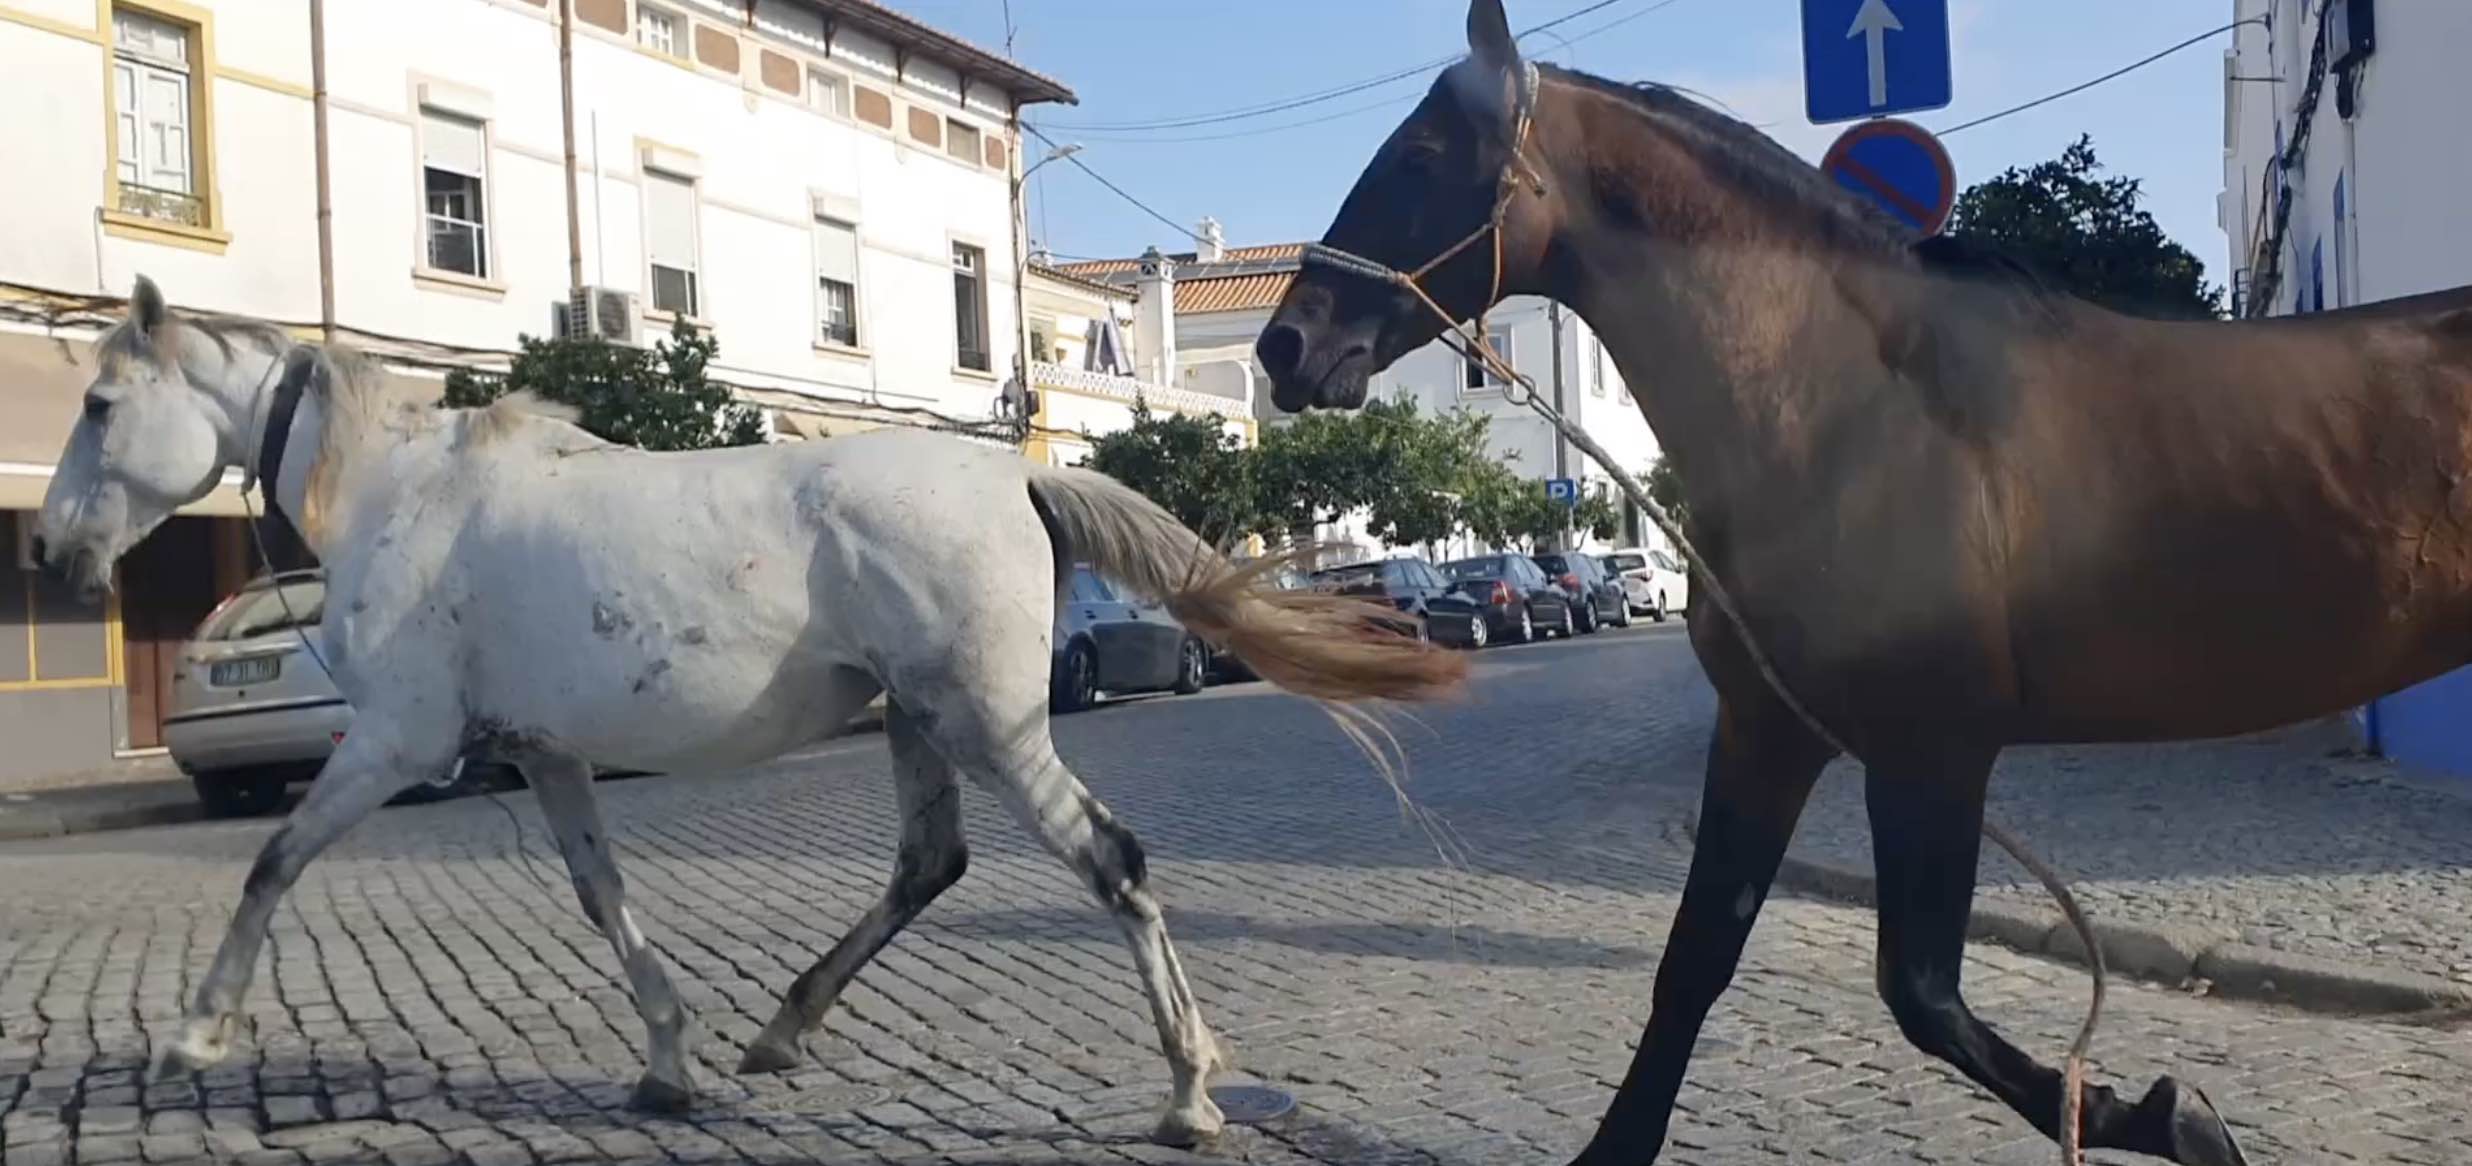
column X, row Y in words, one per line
column 260, row 609
column 1489, row 567
column 1627, row 562
column 1554, row 564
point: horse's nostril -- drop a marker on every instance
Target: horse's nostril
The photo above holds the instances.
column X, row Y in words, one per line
column 1281, row 349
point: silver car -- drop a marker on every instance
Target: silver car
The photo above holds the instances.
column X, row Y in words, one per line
column 252, row 710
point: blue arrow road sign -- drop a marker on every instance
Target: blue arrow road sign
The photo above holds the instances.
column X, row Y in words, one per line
column 1562, row 490
column 1898, row 165
column 1871, row 58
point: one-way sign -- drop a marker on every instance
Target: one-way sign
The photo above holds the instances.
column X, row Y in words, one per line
column 1871, row 58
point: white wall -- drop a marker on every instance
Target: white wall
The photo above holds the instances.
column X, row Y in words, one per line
column 765, row 160
column 2398, row 158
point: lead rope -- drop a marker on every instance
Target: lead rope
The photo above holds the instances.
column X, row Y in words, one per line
column 1472, row 346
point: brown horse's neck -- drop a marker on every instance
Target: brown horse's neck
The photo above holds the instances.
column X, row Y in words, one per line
column 1741, row 316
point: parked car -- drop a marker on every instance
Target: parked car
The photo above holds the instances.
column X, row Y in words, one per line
column 1225, row 668
column 1108, row 642
column 252, row 711
column 1600, row 600
column 1653, row 581
column 1518, row 601
column 1432, row 608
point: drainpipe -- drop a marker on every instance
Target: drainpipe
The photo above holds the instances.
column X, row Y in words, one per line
column 566, row 119
column 326, row 200
column 1562, row 448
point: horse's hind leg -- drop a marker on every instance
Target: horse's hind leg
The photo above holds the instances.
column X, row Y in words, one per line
column 1761, row 764
column 563, row 782
column 371, row 765
column 1926, row 823
column 931, row 858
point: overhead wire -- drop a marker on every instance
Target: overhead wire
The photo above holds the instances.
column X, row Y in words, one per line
column 2115, row 74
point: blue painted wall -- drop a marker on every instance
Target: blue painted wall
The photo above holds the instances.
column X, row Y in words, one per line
column 2428, row 726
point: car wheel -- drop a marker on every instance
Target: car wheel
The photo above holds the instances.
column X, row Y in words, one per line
column 1570, row 622
column 1076, row 683
column 238, row 793
column 1622, row 615
column 1192, row 668
column 1588, row 618
column 1527, row 625
column 1476, row 633
column 1657, row 613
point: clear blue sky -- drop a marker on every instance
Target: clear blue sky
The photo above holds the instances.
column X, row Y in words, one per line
column 1158, row 59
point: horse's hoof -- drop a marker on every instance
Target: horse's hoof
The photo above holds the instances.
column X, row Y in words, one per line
column 764, row 1057
column 656, row 1096
column 2199, row 1136
column 198, row 1049
column 1190, row 1126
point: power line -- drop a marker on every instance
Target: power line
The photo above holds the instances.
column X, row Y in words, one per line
column 1134, row 138
column 2122, row 71
column 1282, row 105
column 1120, row 192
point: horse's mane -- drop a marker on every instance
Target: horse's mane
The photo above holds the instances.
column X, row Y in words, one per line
column 1756, row 162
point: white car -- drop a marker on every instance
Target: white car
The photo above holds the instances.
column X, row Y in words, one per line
column 1652, row 580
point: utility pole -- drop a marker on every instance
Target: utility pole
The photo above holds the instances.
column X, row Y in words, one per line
column 1021, row 267
column 566, row 120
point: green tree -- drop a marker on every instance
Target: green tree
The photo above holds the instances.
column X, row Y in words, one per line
column 1190, row 465
column 1407, row 469
column 658, row 398
column 1663, row 486
column 1597, row 515
column 2088, row 234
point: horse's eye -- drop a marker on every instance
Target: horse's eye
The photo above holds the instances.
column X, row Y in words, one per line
column 97, row 409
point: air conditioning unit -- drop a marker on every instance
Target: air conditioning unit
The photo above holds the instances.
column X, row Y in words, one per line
column 601, row 313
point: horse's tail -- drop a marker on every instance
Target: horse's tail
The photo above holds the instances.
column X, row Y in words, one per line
column 1329, row 647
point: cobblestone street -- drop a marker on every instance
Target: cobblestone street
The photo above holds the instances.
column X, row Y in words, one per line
column 1456, row 995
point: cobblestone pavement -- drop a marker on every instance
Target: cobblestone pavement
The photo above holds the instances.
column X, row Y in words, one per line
column 433, row 995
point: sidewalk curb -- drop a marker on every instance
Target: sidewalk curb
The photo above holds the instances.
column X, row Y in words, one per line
column 2170, row 955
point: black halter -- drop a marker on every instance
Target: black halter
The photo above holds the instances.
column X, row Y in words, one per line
column 278, row 431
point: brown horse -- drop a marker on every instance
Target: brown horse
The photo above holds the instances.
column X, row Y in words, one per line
column 1958, row 510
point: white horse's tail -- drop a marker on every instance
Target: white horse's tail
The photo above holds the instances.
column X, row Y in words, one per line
column 1330, row 647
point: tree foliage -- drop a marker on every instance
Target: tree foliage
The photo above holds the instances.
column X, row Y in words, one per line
column 2087, row 233
column 658, row 398
column 1191, row 465
column 1663, row 486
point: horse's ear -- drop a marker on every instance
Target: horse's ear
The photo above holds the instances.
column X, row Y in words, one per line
column 146, row 310
column 1493, row 56
column 1489, row 36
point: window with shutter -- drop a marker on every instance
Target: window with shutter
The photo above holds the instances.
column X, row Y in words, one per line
column 670, row 242
column 154, row 147
column 454, row 177
column 836, row 281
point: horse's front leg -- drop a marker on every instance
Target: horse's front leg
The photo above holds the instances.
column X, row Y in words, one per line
column 1761, row 764
column 1926, row 809
column 371, row 765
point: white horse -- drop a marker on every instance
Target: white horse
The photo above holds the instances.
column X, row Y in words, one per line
column 500, row 581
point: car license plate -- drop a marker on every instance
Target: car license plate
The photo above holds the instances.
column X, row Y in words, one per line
column 249, row 670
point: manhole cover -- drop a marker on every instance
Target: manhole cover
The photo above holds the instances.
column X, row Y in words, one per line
column 1252, row 1104
column 822, row 1099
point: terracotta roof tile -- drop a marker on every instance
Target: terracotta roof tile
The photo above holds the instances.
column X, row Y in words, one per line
column 1233, row 293
column 1264, row 253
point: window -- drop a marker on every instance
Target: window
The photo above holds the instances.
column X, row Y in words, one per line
column 961, row 141
column 2317, row 273
column 454, row 170
column 669, row 242
column 657, row 30
column 970, row 308
column 836, row 282
column 1088, row 587
column 151, row 108
column 828, row 93
column 1478, row 376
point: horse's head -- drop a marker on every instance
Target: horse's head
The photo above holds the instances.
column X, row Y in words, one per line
column 1432, row 186
column 156, row 432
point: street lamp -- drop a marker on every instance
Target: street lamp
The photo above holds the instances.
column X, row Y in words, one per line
column 1021, row 281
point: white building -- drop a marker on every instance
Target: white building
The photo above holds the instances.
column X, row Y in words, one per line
column 1223, row 296
column 1090, row 343
column 2344, row 179
column 824, row 185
